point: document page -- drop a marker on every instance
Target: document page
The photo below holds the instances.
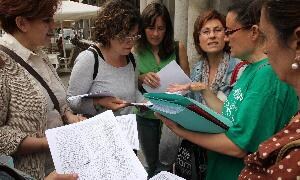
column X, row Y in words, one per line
column 94, row 149
column 129, row 128
column 170, row 74
column 164, row 175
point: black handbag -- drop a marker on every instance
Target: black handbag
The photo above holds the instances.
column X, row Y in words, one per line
column 191, row 161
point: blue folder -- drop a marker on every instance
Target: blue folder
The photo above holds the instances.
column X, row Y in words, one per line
column 189, row 113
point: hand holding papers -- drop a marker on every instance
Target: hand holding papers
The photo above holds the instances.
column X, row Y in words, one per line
column 170, row 74
column 94, row 149
column 187, row 112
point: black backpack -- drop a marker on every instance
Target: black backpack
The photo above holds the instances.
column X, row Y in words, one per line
column 95, row 50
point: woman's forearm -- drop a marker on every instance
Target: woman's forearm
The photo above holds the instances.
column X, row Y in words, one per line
column 215, row 142
column 32, row 145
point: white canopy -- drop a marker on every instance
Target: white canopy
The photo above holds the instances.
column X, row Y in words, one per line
column 70, row 10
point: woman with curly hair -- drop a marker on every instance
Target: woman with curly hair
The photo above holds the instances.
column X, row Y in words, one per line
column 116, row 31
column 26, row 107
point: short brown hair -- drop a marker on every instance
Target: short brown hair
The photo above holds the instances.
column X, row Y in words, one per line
column 116, row 19
column 200, row 22
column 31, row 9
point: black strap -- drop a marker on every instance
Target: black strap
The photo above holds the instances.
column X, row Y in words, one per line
column 96, row 51
column 96, row 64
column 19, row 60
column 177, row 52
column 11, row 172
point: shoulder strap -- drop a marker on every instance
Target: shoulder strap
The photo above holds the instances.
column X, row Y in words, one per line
column 177, row 52
column 236, row 70
column 286, row 148
column 11, row 172
column 131, row 58
column 96, row 51
column 96, row 64
column 19, row 60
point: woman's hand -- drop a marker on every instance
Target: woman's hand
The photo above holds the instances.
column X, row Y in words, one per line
column 55, row 176
column 179, row 87
column 72, row 118
column 198, row 86
column 151, row 79
column 112, row 103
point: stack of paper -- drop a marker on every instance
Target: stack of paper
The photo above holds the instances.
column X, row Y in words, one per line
column 187, row 112
column 94, row 149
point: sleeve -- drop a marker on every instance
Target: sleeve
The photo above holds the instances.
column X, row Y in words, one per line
column 10, row 138
column 81, row 80
column 260, row 109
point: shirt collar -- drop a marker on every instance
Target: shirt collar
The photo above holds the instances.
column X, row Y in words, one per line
column 13, row 44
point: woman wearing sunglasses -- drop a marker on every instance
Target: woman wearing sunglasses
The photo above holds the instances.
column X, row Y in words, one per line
column 259, row 100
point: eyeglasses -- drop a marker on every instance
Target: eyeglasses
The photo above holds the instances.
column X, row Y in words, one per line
column 216, row 31
column 230, row 32
column 130, row 38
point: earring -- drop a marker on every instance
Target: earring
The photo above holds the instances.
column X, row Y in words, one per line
column 296, row 64
column 266, row 52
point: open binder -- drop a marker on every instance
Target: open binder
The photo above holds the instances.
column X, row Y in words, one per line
column 187, row 112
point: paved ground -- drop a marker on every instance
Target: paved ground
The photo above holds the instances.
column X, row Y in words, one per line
column 65, row 79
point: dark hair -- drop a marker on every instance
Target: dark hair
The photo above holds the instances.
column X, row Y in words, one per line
column 284, row 16
column 149, row 15
column 248, row 11
column 31, row 9
column 116, row 19
column 200, row 22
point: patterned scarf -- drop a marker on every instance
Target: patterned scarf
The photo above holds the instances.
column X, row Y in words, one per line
column 219, row 77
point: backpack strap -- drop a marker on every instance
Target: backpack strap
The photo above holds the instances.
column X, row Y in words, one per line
column 96, row 51
column 96, row 64
column 19, row 60
column 177, row 52
column 131, row 58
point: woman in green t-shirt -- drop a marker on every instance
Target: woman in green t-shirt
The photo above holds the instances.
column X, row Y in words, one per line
column 153, row 51
column 259, row 105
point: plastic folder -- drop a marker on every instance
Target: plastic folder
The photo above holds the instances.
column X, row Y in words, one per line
column 187, row 112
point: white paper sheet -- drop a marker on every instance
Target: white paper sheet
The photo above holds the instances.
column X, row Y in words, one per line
column 94, row 149
column 129, row 128
column 164, row 175
column 170, row 74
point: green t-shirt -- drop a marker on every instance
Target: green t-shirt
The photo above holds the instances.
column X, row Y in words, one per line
column 259, row 106
column 146, row 62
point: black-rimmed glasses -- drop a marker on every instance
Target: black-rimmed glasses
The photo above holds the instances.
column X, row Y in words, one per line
column 230, row 32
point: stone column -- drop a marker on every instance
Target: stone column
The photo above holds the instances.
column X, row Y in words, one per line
column 143, row 4
column 181, row 21
column 195, row 7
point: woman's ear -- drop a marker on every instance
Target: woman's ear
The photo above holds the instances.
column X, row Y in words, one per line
column 255, row 33
column 22, row 23
column 294, row 40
